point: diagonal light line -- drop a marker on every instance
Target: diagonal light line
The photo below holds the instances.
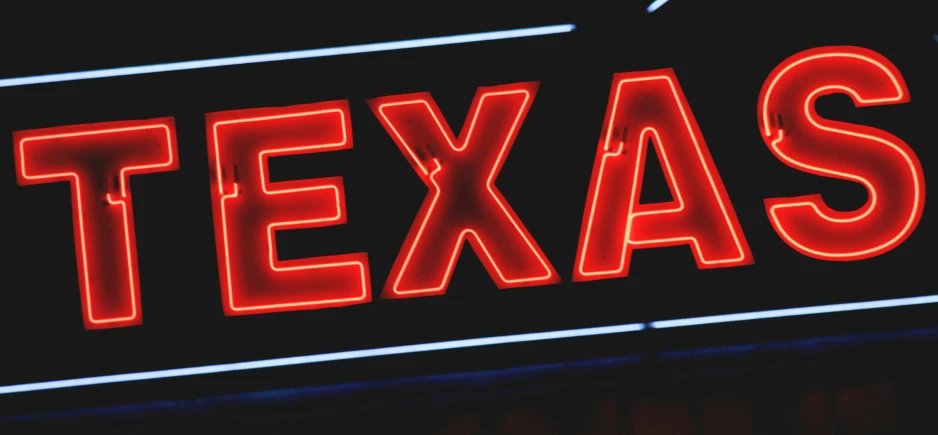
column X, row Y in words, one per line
column 468, row 343
column 794, row 312
column 325, row 357
column 655, row 5
column 290, row 55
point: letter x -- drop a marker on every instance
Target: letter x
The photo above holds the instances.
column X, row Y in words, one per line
column 463, row 202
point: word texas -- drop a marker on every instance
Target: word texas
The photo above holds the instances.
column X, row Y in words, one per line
column 643, row 107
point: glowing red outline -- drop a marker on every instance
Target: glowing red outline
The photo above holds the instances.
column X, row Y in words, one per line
column 271, row 228
column 902, row 95
column 124, row 176
column 550, row 275
column 695, row 247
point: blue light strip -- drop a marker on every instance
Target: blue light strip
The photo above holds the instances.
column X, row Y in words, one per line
column 794, row 312
column 290, row 55
column 469, row 343
column 466, row 382
column 655, row 5
column 311, row 359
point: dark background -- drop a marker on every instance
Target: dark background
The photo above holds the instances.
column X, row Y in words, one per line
column 721, row 54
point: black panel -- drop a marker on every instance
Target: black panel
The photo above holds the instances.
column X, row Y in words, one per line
column 720, row 68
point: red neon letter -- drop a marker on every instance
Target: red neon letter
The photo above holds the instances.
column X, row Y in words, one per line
column 463, row 203
column 881, row 162
column 642, row 106
column 98, row 159
column 249, row 209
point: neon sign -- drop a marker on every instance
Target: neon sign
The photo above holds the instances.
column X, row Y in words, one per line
column 881, row 162
column 646, row 112
column 249, row 210
column 651, row 106
column 463, row 203
column 97, row 160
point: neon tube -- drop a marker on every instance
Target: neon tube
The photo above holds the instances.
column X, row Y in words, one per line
column 290, row 55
